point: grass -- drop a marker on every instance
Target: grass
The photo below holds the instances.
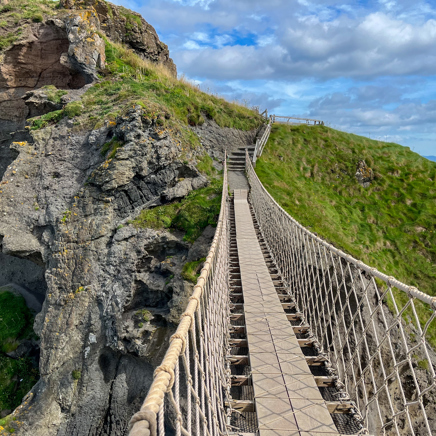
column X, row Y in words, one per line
column 27, row 11
column 144, row 315
column 111, row 146
column 45, row 120
column 17, row 376
column 192, row 215
column 71, row 110
column 310, row 172
column 16, row 320
column 205, row 166
column 7, row 40
column 53, row 94
column 191, row 270
column 132, row 80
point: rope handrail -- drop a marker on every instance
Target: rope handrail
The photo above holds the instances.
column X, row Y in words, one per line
column 199, row 346
column 260, row 143
column 376, row 337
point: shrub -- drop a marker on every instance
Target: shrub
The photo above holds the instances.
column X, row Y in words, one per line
column 37, row 18
column 195, row 119
column 7, row 40
column 191, row 270
column 6, row 8
column 73, row 109
column 76, row 374
column 45, row 120
column 53, row 94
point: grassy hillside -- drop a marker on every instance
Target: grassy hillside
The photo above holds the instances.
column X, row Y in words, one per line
column 390, row 225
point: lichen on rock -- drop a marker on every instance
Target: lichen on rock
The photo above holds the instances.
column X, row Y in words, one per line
column 364, row 174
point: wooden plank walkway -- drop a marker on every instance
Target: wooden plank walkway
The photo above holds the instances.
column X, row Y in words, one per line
column 287, row 399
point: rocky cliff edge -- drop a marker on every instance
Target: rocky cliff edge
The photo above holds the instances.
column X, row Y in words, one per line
column 74, row 177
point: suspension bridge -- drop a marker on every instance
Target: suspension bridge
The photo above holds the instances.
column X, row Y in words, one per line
column 284, row 334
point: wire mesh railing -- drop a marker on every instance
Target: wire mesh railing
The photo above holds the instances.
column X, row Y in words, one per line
column 192, row 385
column 376, row 331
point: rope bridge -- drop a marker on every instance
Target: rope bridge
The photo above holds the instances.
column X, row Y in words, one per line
column 370, row 326
column 370, row 331
column 192, row 384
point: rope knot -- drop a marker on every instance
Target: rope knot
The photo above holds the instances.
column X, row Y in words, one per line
column 194, row 297
column 191, row 315
column 391, row 280
column 181, row 337
column 412, row 289
column 147, row 420
column 168, row 370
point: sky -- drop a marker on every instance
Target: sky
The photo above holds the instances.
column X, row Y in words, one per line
column 362, row 66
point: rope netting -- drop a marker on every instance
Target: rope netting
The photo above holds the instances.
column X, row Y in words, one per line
column 376, row 332
column 192, row 385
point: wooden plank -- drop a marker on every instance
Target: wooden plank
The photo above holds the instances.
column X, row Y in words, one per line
column 236, row 359
column 240, row 329
column 316, row 360
column 237, row 317
column 324, row 381
column 238, row 343
column 341, row 408
column 239, row 380
column 294, row 316
column 306, row 342
column 241, row 405
column 301, row 328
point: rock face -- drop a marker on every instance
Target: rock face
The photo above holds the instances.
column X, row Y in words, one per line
column 65, row 51
column 109, row 294
column 128, row 27
column 364, row 174
column 216, row 140
column 113, row 292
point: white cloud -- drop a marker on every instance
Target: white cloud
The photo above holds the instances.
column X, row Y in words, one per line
column 362, row 65
column 264, row 40
column 191, row 45
column 200, row 36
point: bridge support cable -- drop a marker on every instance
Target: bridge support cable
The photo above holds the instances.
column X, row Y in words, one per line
column 191, row 387
column 375, row 330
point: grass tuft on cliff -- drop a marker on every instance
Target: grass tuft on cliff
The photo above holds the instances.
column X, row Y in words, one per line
column 191, row 270
column 17, row 376
column 129, row 80
column 191, row 215
column 391, row 225
column 22, row 12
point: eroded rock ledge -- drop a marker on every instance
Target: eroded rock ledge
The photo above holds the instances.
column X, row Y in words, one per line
column 65, row 50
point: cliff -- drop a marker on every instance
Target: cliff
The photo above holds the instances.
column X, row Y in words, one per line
column 97, row 133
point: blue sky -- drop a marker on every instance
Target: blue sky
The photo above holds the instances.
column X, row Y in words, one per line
column 362, row 66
